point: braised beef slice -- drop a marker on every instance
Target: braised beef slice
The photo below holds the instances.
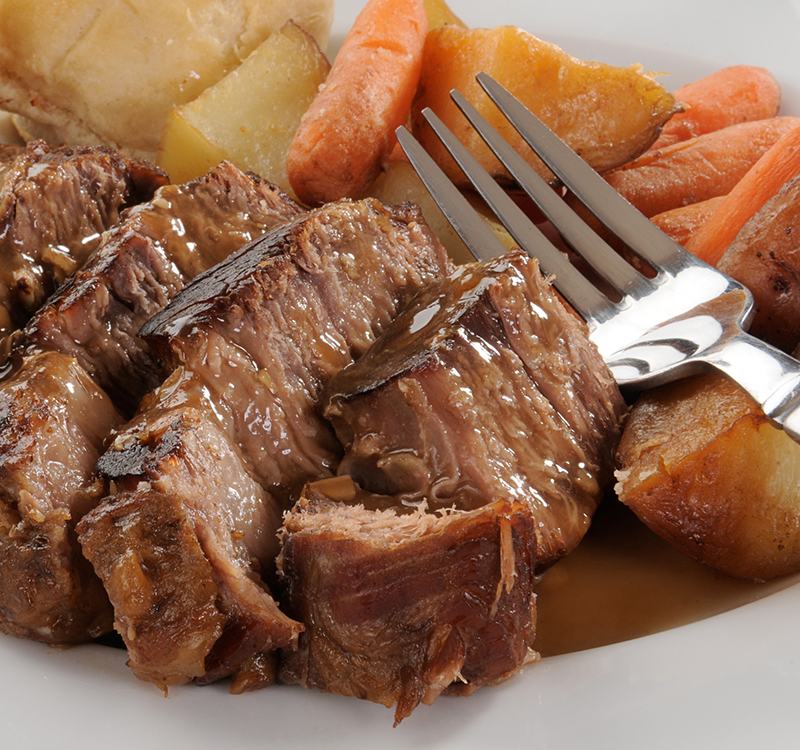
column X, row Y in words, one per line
column 175, row 455
column 485, row 388
column 400, row 608
column 53, row 422
column 270, row 326
column 141, row 265
column 184, row 603
column 9, row 152
column 234, row 429
column 94, row 316
column 177, row 445
column 54, row 205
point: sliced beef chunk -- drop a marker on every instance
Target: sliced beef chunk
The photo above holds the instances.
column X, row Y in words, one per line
column 91, row 323
column 485, row 388
column 189, row 612
column 54, row 205
column 233, row 432
column 177, row 445
column 53, row 423
column 141, row 265
column 180, row 544
column 268, row 328
column 402, row 607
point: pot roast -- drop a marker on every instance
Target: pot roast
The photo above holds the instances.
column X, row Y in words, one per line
column 84, row 338
column 141, row 265
column 228, row 441
column 54, row 421
column 478, row 432
column 486, row 387
column 401, row 607
column 54, row 206
column 215, row 368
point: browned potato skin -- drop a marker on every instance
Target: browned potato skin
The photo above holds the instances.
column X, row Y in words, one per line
column 765, row 257
column 607, row 114
column 701, row 465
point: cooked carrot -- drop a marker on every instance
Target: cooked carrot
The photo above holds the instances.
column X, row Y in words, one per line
column 739, row 93
column 348, row 131
column 770, row 173
column 681, row 223
column 697, row 169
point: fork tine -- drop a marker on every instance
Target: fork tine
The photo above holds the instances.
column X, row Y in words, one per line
column 584, row 296
column 624, row 221
column 587, row 243
column 481, row 241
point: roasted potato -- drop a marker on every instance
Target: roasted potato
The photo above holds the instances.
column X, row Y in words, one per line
column 765, row 257
column 702, row 466
column 608, row 114
column 251, row 115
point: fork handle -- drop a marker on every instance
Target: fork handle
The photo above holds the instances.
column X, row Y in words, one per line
column 771, row 377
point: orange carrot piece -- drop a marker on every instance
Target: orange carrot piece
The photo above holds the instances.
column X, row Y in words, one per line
column 697, row 169
column 348, row 131
column 770, row 173
column 739, row 93
column 682, row 223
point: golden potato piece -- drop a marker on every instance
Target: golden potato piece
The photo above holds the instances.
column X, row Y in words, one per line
column 184, row 152
column 703, row 468
column 250, row 116
column 607, row 114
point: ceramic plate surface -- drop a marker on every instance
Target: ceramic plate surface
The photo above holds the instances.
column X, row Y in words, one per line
column 730, row 681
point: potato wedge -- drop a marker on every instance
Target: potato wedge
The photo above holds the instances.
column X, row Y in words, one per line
column 607, row 114
column 250, row 116
column 701, row 465
column 765, row 257
column 184, row 151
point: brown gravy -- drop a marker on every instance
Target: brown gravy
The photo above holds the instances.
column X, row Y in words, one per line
column 624, row 581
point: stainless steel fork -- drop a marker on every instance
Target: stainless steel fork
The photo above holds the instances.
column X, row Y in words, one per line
column 687, row 318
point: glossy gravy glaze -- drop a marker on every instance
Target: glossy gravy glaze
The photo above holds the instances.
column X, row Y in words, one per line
column 623, row 582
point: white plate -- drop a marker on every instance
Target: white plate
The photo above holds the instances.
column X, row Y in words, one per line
column 728, row 681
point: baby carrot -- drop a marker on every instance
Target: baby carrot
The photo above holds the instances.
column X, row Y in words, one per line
column 697, row 169
column 739, row 93
column 770, row 173
column 348, row 131
column 682, row 222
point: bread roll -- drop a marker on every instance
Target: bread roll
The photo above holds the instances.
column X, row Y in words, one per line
column 107, row 71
